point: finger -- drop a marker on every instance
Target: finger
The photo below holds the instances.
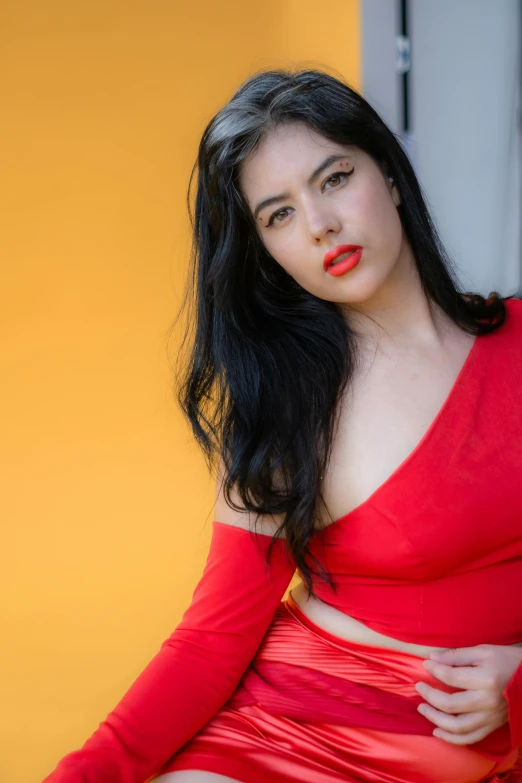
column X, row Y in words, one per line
column 461, row 739
column 455, row 724
column 463, row 677
column 453, row 703
column 460, row 656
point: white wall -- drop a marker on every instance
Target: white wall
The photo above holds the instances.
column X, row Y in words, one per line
column 466, row 114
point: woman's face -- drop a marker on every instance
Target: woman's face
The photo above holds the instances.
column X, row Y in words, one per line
column 349, row 202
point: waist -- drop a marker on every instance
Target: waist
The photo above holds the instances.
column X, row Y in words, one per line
column 306, row 674
column 343, row 626
column 457, row 611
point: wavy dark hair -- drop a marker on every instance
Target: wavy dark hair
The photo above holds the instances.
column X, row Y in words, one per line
column 268, row 361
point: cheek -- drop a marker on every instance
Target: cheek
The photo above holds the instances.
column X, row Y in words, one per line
column 379, row 214
column 393, row 228
column 293, row 261
column 285, row 251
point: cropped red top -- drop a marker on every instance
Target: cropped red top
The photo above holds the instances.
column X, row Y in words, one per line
column 433, row 556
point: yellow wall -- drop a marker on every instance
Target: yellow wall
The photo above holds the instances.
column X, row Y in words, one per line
column 106, row 503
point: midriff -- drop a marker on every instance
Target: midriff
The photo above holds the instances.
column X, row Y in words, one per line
column 345, row 627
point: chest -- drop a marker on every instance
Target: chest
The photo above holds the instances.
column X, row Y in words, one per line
column 425, row 479
column 386, row 413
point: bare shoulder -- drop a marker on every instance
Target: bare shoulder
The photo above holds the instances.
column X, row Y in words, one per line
column 266, row 525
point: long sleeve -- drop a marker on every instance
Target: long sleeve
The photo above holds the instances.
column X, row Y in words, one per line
column 513, row 696
column 196, row 669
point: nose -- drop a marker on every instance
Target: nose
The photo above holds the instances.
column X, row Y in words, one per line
column 321, row 220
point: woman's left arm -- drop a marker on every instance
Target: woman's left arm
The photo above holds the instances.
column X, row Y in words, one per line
column 490, row 681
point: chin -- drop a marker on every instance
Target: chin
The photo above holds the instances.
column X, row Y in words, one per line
column 364, row 291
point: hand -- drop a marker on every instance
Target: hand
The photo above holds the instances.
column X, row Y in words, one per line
column 482, row 673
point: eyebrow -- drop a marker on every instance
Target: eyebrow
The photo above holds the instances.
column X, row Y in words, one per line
column 311, row 179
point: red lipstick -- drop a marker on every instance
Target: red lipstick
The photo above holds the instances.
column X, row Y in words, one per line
column 343, row 266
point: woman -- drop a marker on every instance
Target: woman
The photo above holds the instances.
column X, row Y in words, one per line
column 366, row 416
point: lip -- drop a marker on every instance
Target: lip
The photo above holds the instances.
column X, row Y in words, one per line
column 338, row 251
column 346, row 264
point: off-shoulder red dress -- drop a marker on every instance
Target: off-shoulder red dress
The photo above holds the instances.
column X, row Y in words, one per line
column 247, row 686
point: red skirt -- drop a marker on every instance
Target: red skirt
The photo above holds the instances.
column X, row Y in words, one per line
column 316, row 708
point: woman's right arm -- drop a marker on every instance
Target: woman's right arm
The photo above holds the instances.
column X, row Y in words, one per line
column 198, row 667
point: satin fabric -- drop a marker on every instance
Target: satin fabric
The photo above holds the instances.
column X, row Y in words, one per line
column 316, row 708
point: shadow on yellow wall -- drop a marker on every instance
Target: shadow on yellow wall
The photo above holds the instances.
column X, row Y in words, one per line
column 106, row 502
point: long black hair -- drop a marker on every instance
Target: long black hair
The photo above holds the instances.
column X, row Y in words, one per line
column 268, row 361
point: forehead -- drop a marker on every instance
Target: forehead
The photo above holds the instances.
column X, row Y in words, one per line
column 287, row 154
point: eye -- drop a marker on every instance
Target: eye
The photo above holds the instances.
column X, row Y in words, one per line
column 274, row 215
column 339, row 174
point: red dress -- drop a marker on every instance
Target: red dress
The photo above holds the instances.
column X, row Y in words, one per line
column 247, row 686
